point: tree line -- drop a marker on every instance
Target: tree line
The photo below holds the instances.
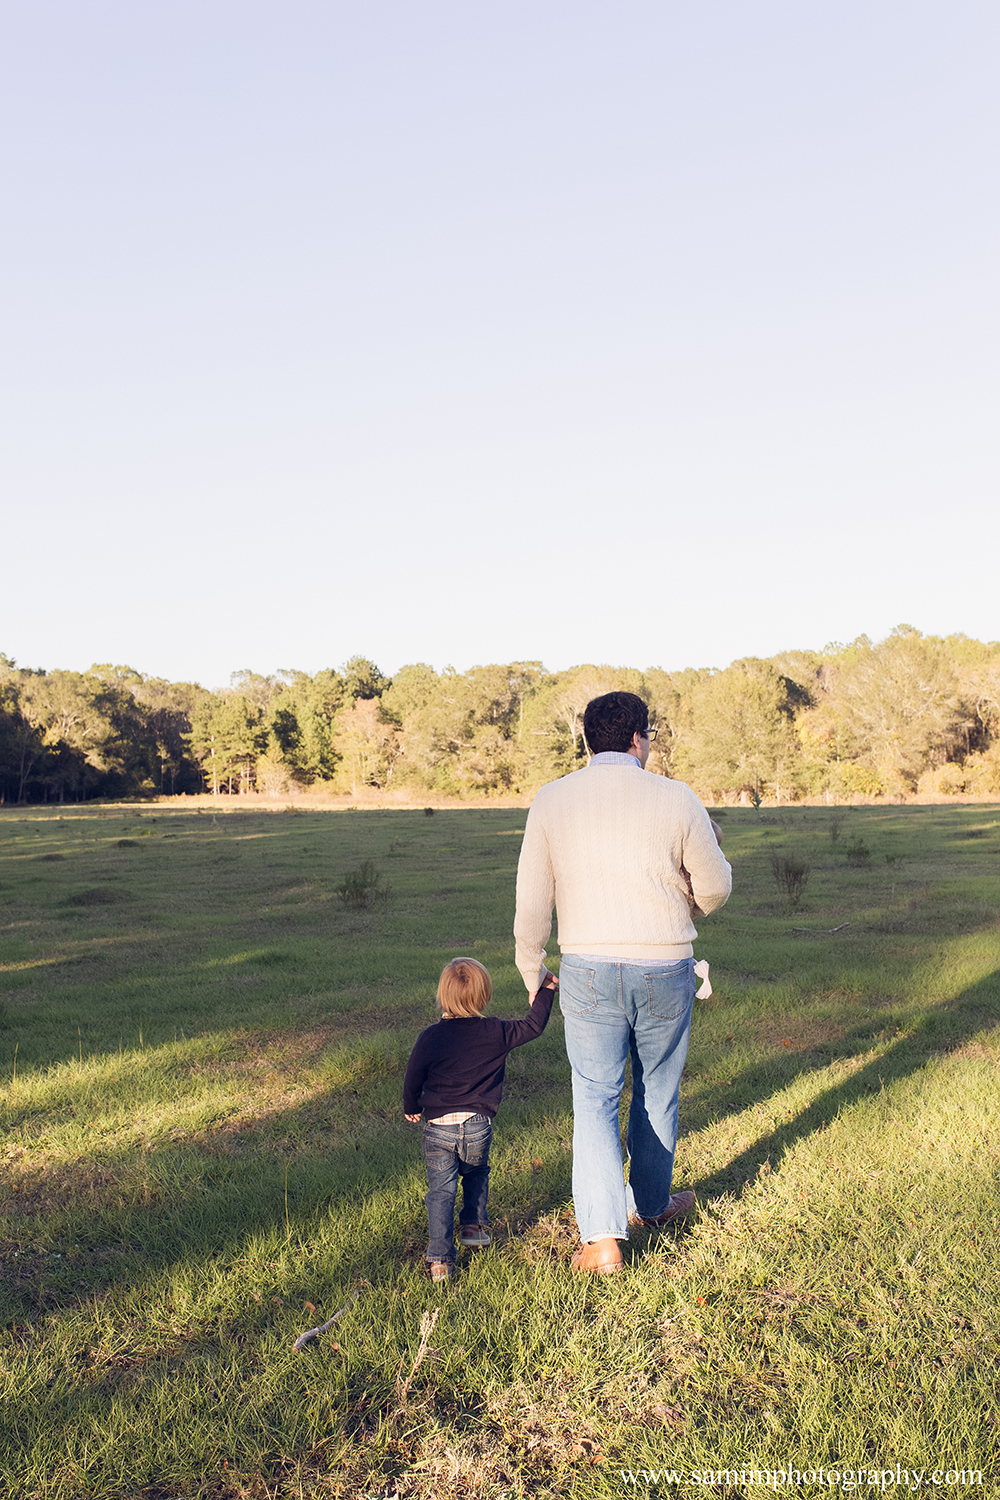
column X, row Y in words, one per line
column 911, row 713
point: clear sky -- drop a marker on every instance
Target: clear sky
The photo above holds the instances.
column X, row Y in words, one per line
column 638, row 333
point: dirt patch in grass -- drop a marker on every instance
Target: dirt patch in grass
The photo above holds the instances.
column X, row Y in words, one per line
column 797, row 1033
column 440, row 1446
column 553, row 1236
column 303, row 1046
column 468, row 1446
column 298, row 1048
column 981, row 1049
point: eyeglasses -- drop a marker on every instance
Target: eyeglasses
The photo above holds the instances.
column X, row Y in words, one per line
column 649, row 734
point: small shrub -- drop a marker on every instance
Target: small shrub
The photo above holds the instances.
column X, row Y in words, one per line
column 126, row 844
column 858, row 852
column 100, row 895
column 791, row 876
column 360, row 888
column 836, row 824
column 428, row 812
column 271, row 958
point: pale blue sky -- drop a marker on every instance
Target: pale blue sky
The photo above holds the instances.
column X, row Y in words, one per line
column 650, row 334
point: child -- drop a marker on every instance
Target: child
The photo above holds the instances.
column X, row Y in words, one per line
column 456, row 1073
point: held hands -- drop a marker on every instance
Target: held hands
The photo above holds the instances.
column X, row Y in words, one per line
column 413, row 1119
column 550, row 982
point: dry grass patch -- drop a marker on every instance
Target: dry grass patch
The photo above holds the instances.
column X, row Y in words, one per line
column 981, row 1048
column 797, row 1033
column 295, row 1049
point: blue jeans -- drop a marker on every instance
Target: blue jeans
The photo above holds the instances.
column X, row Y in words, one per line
column 613, row 1011
column 451, row 1152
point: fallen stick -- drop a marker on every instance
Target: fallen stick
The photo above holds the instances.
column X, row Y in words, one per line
column 822, row 929
column 313, row 1333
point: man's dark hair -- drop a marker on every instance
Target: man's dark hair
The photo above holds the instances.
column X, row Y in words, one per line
column 611, row 721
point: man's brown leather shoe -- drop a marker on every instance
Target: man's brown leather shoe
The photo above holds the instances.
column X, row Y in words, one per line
column 679, row 1205
column 600, row 1257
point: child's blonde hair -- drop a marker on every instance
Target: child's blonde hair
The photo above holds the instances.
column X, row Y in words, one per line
column 464, row 988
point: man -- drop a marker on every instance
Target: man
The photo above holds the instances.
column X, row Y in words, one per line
column 626, row 858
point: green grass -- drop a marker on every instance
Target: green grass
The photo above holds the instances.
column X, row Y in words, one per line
column 203, row 1154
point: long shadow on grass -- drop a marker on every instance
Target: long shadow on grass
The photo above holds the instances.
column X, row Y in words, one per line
column 118, row 1219
column 949, row 1026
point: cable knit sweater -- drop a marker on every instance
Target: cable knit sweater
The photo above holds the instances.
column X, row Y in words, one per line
column 605, row 846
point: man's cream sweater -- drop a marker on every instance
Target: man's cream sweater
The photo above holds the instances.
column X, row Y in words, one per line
column 605, row 846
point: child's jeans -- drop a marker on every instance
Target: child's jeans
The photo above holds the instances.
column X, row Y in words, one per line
column 451, row 1152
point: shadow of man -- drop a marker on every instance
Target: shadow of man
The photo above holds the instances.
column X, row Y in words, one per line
column 952, row 1024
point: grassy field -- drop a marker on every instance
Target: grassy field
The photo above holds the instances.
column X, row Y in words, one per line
column 203, row 1154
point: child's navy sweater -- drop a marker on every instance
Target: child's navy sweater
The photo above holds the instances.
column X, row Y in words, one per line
column 459, row 1063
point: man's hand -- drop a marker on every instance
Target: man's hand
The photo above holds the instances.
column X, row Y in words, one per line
column 550, row 982
column 413, row 1119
